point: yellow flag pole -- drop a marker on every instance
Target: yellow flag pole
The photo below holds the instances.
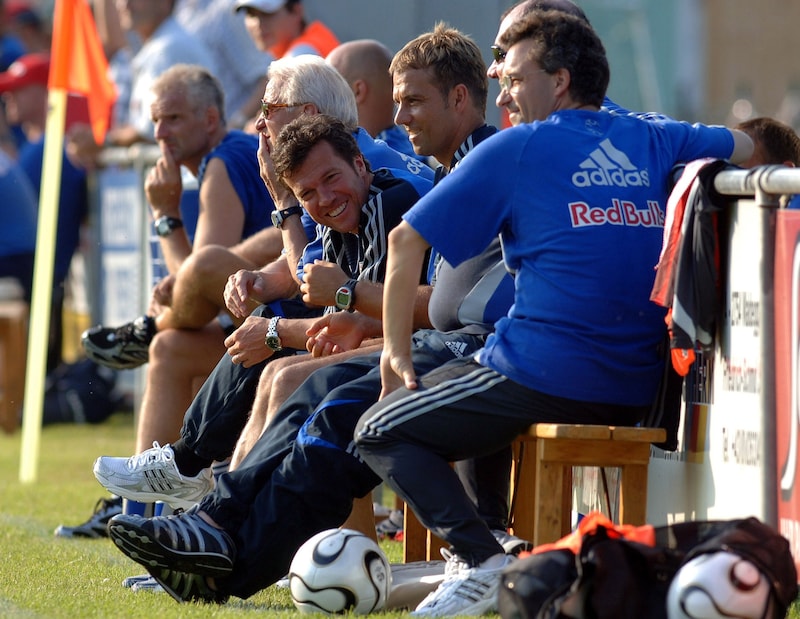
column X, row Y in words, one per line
column 39, row 331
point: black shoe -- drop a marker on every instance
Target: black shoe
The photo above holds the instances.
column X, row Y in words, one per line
column 187, row 587
column 95, row 527
column 178, row 543
column 121, row 348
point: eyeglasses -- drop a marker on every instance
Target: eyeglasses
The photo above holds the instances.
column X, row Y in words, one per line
column 267, row 108
column 507, row 82
column 498, row 53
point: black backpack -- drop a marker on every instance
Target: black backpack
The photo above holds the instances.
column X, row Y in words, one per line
column 612, row 577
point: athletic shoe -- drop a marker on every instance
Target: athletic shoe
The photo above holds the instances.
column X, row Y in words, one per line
column 465, row 590
column 153, row 476
column 143, row 583
column 130, row 581
column 95, row 527
column 183, row 543
column 123, row 348
column 512, row 545
column 392, row 526
column 188, row 587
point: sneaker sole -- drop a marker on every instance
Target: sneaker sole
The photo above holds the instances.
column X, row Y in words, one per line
column 137, row 544
column 111, row 361
column 144, row 497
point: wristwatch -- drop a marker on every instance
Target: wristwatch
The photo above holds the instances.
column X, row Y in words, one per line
column 278, row 217
column 165, row 225
column 273, row 340
column 346, row 296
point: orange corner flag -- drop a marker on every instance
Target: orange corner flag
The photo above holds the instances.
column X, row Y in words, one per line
column 78, row 63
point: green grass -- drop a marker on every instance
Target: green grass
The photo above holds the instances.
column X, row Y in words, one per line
column 42, row 576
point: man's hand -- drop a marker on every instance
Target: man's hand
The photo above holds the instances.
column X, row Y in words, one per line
column 162, row 293
column 277, row 190
column 246, row 345
column 163, row 185
column 240, row 288
column 396, row 371
column 321, row 280
column 334, row 333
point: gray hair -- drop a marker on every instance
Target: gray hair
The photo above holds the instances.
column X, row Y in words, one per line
column 309, row 79
column 201, row 88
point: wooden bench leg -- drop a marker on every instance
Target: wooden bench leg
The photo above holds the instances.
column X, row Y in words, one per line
column 548, row 497
column 415, row 537
column 633, row 494
column 13, row 348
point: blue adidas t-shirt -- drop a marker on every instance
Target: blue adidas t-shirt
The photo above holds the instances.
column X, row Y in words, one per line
column 579, row 200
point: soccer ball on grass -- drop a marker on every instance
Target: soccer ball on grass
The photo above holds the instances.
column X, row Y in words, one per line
column 340, row 570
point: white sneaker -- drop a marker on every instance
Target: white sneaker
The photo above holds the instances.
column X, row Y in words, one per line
column 512, row 545
column 152, row 476
column 465, row 590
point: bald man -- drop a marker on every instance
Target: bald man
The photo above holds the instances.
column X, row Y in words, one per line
column 364, row 64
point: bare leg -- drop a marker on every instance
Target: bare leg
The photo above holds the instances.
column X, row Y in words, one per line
column 278, row 381
column 171, row 380
column 199, row 284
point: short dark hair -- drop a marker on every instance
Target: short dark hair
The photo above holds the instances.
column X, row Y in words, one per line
column 452, row 56
column 778, row 141
column 299, row 137
column 563, row 41
column 528, row 6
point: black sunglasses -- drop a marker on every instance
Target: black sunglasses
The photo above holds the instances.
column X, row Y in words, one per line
column 498, row 53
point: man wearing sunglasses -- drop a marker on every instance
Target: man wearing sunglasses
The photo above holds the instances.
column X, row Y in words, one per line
column 440, row 87
column 297, row 87
column 581, row 343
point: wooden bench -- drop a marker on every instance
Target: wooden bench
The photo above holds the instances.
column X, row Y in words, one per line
column 13, row 346
column 542, row 480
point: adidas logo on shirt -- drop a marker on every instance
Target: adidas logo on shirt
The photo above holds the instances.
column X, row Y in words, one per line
column 609, row 166
column 457, row 348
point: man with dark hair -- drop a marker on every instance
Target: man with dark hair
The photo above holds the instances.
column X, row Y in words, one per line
column 581, row 342
column 440, row 88
column 774, row 142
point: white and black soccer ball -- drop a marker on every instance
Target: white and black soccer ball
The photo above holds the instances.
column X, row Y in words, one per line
column 340, row 570
column 719, row 585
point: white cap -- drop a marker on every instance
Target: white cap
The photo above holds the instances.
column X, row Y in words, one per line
column 266, row 6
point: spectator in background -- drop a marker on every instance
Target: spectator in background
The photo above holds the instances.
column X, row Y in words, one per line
column 364, row 64
column 18, row 210
column 11, row 47
column 163, row 43
column 774, row 142
column 24, row 93
column 280, row 28
column 243, row 67
column 25, row 22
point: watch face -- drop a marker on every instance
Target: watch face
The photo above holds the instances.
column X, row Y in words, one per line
column 277, row 220
column 343, row 296
column 162, row 227
column 274, row 342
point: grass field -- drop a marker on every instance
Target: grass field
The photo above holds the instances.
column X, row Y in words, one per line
column 42, row 576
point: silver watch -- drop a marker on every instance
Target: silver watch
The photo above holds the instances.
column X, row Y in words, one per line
column 272, row 339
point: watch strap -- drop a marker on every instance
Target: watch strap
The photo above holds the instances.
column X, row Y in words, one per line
column 349, row 288
column 272, row 340
column 165, row 225
column 279, row 216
